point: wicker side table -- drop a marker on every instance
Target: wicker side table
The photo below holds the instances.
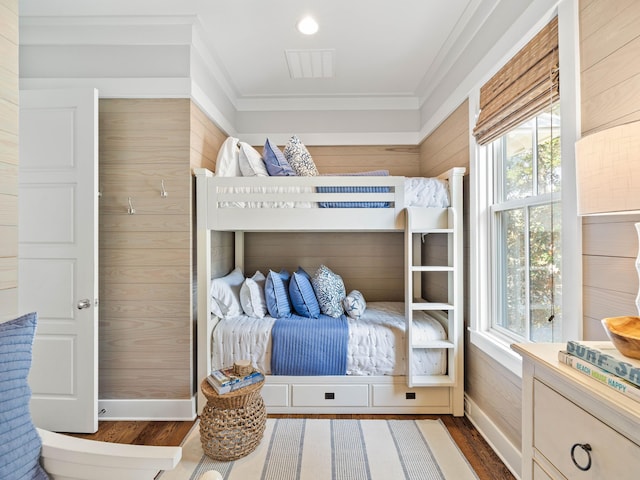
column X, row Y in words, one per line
column 232, row 424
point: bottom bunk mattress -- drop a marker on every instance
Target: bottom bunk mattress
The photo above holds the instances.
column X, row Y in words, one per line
column 376, row 344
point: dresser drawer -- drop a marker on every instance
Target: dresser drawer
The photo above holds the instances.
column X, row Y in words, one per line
column 330, row 395
column 559, row 425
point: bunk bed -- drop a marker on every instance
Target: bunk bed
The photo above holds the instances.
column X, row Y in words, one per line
column 356, row 203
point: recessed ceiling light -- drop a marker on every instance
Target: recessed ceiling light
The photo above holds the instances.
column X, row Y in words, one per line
column 308, row 26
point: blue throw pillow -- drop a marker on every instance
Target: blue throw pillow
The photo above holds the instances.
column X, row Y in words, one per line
column 276, row 292
column 275, row 161
column 20, row 444
column 303, row 298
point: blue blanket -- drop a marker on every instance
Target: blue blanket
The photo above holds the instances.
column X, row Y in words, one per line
column 309, row 346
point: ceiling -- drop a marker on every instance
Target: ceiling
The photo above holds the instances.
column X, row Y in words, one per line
column 380, row 48
column 384, row 55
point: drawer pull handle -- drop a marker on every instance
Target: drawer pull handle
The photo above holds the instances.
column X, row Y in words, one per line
column 587, row 448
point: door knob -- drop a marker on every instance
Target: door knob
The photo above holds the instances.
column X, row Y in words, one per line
column 86, row 303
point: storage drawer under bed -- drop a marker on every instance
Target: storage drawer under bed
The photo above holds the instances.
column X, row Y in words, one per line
column 330, row 395
column 398, row 395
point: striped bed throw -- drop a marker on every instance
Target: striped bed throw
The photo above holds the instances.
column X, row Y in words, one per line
column 373, row 173
column 309, row 346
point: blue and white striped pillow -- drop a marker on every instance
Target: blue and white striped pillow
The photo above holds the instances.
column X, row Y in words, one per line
column 303, row 298
column 276, row 292
column 20, row 444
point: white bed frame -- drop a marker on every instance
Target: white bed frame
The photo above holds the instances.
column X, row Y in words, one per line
column 69, row 458
column 342, row 394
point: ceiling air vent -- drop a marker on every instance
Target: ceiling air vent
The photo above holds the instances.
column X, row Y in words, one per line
column 310, row 63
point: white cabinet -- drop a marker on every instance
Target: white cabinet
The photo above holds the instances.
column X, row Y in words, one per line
column 573, row 426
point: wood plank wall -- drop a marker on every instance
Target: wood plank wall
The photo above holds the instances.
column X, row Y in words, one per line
column 147, row 260
column 369, row 262
column 8, row 159
column 448, row 145
column 610, row 82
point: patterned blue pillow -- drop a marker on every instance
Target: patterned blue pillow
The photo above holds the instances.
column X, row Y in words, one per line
column 303, row 298
column 20, row 444
column 330, row 291
column 354, row 304
column 275, row 161
column 299, row 158
column 276, row 292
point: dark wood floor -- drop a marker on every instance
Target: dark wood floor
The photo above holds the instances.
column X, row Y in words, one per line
column 481, row 457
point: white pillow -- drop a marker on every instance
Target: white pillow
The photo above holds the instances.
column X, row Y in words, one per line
column 354, row 304
column 225, row 294
column 251, row 163
column 252, row 296
column 227, row 163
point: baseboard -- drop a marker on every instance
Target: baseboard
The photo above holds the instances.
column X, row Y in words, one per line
column 147, row 409
column 507, row 451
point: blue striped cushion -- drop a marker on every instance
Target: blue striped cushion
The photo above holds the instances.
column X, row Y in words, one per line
column 276, row 292
column 303, row 298
column 20, row 443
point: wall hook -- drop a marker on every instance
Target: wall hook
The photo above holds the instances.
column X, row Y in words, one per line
column 131, row 210
column 163, row 191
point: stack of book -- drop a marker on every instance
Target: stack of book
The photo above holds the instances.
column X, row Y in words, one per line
column 604, row 363
column 225, row 380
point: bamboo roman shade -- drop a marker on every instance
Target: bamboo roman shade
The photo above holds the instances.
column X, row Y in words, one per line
column 526, row 85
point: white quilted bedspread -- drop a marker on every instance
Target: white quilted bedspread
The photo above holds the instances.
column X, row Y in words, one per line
column 376, row 342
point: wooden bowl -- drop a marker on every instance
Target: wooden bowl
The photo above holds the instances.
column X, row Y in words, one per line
column 624, row 332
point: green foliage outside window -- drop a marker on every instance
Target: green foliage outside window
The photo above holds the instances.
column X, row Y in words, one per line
column 528, row 229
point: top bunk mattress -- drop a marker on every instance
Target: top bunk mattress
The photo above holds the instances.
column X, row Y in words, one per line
column 376, row 342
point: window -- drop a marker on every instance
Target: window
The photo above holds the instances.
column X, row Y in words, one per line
column 525, row 227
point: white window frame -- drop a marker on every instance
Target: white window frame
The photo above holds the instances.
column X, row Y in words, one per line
column 482, row 285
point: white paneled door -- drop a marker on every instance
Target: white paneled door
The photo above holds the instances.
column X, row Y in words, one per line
column 58, row 253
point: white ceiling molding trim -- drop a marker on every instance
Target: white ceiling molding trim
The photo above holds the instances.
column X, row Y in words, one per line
column 117, row 87
column 110, row 30
column 326, row 103
column 333, row 138
column 474, row 17
column 209, row 108
column 455, row 88
column 212, row 64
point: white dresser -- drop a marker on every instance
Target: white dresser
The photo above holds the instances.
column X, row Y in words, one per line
column 572, row 426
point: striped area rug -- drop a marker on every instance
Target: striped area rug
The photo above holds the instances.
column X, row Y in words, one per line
column 311, row 449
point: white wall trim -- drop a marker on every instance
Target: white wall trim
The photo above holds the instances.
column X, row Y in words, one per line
column 117, row 87
column 145, row 410
column 570, row 117
column 507, row 451
column 294, row 104
column 336, row 138
column 209, row 108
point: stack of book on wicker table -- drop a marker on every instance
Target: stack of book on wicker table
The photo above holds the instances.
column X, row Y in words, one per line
column 604, row 363
column 234, row 378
